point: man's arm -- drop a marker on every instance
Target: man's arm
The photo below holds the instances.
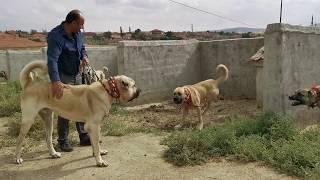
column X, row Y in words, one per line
column 53, row 53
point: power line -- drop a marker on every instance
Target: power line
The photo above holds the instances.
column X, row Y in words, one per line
column 214, row 14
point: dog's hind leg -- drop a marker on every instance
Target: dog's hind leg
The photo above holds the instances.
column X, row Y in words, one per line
column 28, row 117
column 47, row 117
column 200, row 118
column 94, row 133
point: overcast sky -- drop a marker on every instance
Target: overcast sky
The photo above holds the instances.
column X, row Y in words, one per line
column 109, row 15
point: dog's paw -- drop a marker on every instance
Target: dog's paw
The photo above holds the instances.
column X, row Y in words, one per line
column 102, row 163
column 19, row 160
column 103, row 152
column 177, row 126
column 56, row 155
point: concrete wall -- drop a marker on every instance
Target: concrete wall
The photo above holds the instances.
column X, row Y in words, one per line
column 159, row 66
column 234, row 54
column 12, row 61
column 292, row 62
column 18, row 59
column 3, row 61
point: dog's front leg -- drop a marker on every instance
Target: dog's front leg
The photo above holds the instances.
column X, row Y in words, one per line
column 94, row 132
column 200, row 118
column 185, row 111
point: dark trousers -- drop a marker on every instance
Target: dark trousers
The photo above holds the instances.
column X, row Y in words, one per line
column 63, row 124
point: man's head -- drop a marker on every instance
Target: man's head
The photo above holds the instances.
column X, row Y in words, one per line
column 75, row 20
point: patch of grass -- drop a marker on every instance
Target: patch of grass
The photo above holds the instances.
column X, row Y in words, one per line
column 35, row 135
column 270, row 138
column 10, row 98
column 118, row 123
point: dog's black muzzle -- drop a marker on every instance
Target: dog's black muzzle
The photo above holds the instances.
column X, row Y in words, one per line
column 136, row 95
column 177, row 99
column 297, row 100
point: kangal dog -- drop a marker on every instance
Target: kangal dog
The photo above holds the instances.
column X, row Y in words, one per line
column 199, row 96
column 88, row 103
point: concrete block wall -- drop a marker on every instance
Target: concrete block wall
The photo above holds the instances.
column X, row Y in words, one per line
column 234, row 54
column 292, row 62
column 18, row 59
column 3, row 61
column 159, row 66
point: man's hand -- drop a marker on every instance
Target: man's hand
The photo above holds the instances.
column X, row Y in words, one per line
column 57, row 89
column 85, row 61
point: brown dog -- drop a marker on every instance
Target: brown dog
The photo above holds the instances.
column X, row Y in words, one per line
column 308, row 96
column 87, row 103
column 199, row 95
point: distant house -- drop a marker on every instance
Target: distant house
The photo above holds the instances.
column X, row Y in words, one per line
column 90, row 34
column 116, row 36
column 38, row 37
column 157, row 32
column 127, row 36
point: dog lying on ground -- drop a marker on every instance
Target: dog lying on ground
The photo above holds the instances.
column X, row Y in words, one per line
column 199, row 95
column 309, row 97
column 89, row 75
column 89, row 103
column 3, row 75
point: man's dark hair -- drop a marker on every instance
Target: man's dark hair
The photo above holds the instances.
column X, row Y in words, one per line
column 73, row 15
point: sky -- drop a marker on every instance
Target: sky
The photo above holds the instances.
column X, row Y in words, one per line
column 109, row 15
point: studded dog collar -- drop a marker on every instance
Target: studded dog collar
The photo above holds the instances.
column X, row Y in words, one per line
column 115, row 93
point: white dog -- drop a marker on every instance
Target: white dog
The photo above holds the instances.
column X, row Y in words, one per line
column 89, row 103
column 90, row 75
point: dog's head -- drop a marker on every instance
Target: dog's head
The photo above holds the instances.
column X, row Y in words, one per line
column 304, row 97
column 4, row 75
column 179, row 95
column 127, row 88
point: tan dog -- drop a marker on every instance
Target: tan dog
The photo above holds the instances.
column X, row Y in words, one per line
column 89, row 103
column 199, row 95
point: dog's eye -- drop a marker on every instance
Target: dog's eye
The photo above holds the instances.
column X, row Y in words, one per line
column 179, row 94
column 124, row 84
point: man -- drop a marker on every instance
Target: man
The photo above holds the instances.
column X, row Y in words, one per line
column 66, row 52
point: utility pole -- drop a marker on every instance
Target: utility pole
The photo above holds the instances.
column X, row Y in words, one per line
column 312, row 20
column 281, row 12
column 191, row 27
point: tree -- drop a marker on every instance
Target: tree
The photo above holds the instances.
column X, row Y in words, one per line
column 107, row 34
column 33, row 31
column 121, row 32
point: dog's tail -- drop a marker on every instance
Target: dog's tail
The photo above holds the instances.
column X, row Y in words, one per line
column 25, row 74
column 225, row 75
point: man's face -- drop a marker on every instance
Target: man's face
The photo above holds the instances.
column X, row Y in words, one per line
column 78, row 24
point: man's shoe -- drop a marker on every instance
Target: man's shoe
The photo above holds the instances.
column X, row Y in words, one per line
column 65, row 147
column 85, row 140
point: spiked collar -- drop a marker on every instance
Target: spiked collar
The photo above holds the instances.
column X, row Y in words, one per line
column 114, row 91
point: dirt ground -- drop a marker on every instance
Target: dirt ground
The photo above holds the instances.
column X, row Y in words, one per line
column 138, row 156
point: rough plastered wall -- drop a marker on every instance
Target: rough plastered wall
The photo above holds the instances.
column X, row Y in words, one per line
column 292, row 62
column 159, row 66
column 235, row 54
